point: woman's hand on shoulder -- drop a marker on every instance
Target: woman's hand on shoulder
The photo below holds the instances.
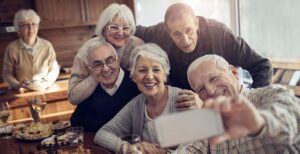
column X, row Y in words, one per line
column 151, row 148
column 188, row 99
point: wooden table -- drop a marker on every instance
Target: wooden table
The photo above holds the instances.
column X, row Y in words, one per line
column 13, row 145
column 57, row 103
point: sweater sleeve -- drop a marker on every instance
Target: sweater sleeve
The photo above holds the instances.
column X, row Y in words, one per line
column 53, row 70
column 8, row 69
column 81, row 83
column 155, row 34
column 282, row 113
column 237, row 52
column 108, row 135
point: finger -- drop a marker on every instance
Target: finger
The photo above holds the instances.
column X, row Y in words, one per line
column 218, row 102
column 184, row 104
column 186, row 97
column 208, row 103
column 150, row 149
column 218, row 139
column 182, row 92
column 182, row 98
column 237, row 100
column 226, row 106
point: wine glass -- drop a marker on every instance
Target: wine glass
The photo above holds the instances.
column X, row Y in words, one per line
column 37, row 105
column 132, row 144
column 4, row 115
column 75, row 135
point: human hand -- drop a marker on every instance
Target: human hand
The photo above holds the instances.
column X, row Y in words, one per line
column 127, row 148
column 23, row 84
column 240, row 117
column 188, row 99
column 151, row 148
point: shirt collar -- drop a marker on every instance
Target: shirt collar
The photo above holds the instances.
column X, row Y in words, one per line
column 112, row 90
column 33, row 49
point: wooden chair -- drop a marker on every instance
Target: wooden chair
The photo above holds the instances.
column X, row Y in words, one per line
column 288, row 75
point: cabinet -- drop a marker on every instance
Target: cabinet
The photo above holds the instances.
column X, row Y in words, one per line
column 72, row 13
column 8, row 8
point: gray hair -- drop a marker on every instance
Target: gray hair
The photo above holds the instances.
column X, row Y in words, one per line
column 120, row 11
column 219, row 61
column 90, row 46
column 24, row 15
column 151, row 51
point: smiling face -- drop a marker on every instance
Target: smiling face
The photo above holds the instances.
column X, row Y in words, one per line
column 210, row 81
column 28, row 30
column 149, row 76
column 109, row 72
column 183, row 32
column 119, row 37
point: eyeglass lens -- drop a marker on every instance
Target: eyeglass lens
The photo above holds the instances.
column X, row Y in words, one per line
column 115, row 28
column 108, row 62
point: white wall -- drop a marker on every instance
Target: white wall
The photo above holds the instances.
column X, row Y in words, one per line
column 150, row 12
column 272, row 27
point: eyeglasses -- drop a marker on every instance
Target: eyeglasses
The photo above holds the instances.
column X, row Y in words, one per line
column 28, row 25
column 98, row 65
column 116, row 28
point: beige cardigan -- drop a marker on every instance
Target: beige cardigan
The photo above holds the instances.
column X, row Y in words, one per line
column 20, row 64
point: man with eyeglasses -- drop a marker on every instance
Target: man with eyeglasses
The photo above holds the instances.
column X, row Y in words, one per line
column 185, row 37
column 114, row 90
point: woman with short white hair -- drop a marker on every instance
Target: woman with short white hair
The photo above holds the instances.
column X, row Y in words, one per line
column 30, row 61
column 116, row 25
column 149, row 69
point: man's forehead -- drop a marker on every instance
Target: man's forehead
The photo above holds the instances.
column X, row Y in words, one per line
column 101, row 53
column 183, row 20
column 206, row 68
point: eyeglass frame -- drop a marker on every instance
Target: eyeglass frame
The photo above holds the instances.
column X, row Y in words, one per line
column 101, row 64
column 28, row 25
column 119, row 28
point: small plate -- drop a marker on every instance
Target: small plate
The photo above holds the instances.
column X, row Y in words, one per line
column 33, row 132
column 61, row 125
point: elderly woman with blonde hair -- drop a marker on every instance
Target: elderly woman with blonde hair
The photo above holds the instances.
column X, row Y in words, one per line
column 116, row 26
column 149, row 70
column 29, row 62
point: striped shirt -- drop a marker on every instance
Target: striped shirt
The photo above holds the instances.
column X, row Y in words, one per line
column 281, row 135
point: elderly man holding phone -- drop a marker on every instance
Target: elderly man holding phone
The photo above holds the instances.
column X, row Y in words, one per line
column 262, row 120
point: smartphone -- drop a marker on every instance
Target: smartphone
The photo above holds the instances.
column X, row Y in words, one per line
column 187, row 126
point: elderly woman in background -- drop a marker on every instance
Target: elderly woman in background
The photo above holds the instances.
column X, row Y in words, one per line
column 149, row 70
column 29, row 62
column 116, row 26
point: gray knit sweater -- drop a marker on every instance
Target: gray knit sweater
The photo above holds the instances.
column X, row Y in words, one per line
column 129, row 120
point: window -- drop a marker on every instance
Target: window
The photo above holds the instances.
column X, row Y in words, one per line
column 271, row 27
